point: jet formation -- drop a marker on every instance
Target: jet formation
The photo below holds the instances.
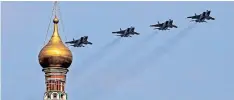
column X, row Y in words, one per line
column 129, row 32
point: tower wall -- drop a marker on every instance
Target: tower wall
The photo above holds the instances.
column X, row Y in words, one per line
column 55, row 80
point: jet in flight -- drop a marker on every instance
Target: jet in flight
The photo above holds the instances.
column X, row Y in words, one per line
column 76, row 43
column 198, row 18
column 161, row 26
column 79, row 42
column 127, row 32
column 164, row 26
column 202, row 17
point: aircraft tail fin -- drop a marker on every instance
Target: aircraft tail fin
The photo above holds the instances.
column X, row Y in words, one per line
column 120, row 29
column 82, row 39
column 208, row 13
column 86, row 38
column 73, row 39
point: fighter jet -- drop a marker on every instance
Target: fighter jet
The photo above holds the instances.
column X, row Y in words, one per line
column 85, row 41
column 199, row 18
column 161, row 26
column 127, row 32
column 76, row 43
column 202, row 17
column 122, row 33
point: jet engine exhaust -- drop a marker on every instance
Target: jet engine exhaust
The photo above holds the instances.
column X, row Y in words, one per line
column 134, row 48
column 100, row 54
column 164, row 49
column 160, row 51
column 111, row 43
column 89, row 69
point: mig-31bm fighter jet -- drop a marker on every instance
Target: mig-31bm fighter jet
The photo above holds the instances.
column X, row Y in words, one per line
column 161, row 26
column 76, row 43
column 79, row 42
column 127, row 32
column 202, row 17
column 164, row 26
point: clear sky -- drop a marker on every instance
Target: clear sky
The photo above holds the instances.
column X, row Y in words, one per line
column 192, row 62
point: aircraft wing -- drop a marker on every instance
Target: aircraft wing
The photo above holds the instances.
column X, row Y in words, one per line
column 90, row 43
column 162, row 28
column 125, row 35
column 121, row 35
column 174, row 26
column 201, row 20
column 78, row 44
column 210, row 18
column 136, row 33
column 87, row 42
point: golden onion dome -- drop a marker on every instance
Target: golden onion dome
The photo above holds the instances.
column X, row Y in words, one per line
column 55, row 53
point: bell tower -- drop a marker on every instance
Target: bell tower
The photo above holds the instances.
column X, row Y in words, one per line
column 55, row 59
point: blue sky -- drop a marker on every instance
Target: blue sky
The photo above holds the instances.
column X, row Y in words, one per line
column 181, row 64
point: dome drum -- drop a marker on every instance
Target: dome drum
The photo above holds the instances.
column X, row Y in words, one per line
column 55, row 70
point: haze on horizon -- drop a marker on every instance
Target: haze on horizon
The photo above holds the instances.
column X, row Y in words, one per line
column 181, row 64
